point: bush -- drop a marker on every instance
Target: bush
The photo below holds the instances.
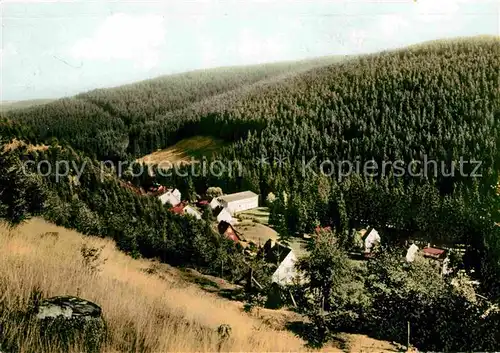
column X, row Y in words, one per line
column 390, row 294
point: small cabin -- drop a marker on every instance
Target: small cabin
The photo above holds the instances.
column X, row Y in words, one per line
column 228, row 231
column 283, row 257
column 190, row 210
column 222, row 214
column 172, row 196
column 183, row 209
column 214, row 203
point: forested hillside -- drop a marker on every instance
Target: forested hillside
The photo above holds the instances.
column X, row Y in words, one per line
column 433, row 102
column 94, row 202
column 110, row 123
column 437, row 102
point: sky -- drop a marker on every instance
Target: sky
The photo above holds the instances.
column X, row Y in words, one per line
column 51, row 49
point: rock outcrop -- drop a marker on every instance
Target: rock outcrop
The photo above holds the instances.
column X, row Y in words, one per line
column 67, row 307
column 66, row 321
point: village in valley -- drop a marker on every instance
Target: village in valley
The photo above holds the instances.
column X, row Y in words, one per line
column 244, row 219
column 250, row 176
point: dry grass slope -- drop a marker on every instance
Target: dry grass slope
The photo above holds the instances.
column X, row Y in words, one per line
column 15, row 143
column 183, row 152
column 168, row 316
column 159, row 312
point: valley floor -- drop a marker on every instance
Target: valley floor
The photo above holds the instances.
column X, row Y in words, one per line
column 160, row 308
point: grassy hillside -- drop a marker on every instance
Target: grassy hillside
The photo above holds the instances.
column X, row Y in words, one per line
column 184, row 151
column 165, row 312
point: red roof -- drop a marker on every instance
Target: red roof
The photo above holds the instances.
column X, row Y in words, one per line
column 324, row 229
column 231, row 235
column 228, row 231
column 179, row 209
column 433, row 252
column 203, row 203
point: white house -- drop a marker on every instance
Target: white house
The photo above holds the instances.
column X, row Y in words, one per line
column 371, row 239
column 173, row 196
column 410, row 254
column 286, row 273
column 241, row 201
column 446, row 269
column 214, row 203
column 285, row 259
column 192, row 211
column 223, row 214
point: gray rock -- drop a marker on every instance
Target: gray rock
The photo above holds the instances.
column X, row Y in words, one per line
column 67, row 307
column 66, row 320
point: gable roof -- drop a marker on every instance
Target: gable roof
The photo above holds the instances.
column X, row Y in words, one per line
column 179, row 209
column 275, row 252
column 161, row 190
column 228, row 230
column 237, row 196
column 435, row 253
column 369, row 231
column 217, row 211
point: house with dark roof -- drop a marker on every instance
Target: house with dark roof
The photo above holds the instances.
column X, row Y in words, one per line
column 223, row 214
column 283, row 257
column 229, row 232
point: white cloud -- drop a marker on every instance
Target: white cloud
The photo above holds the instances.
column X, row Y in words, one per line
column 125, row 37
column 357, row 39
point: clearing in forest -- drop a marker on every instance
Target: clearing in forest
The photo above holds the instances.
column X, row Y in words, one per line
column 184, row 151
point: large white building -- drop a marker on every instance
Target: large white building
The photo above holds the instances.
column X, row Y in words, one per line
column 241, row 201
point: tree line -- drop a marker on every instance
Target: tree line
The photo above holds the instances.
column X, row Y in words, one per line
column 97, row 204
column 436, row 101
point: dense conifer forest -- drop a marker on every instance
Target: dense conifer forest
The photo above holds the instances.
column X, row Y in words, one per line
column 111, row 123
column 437, row 101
